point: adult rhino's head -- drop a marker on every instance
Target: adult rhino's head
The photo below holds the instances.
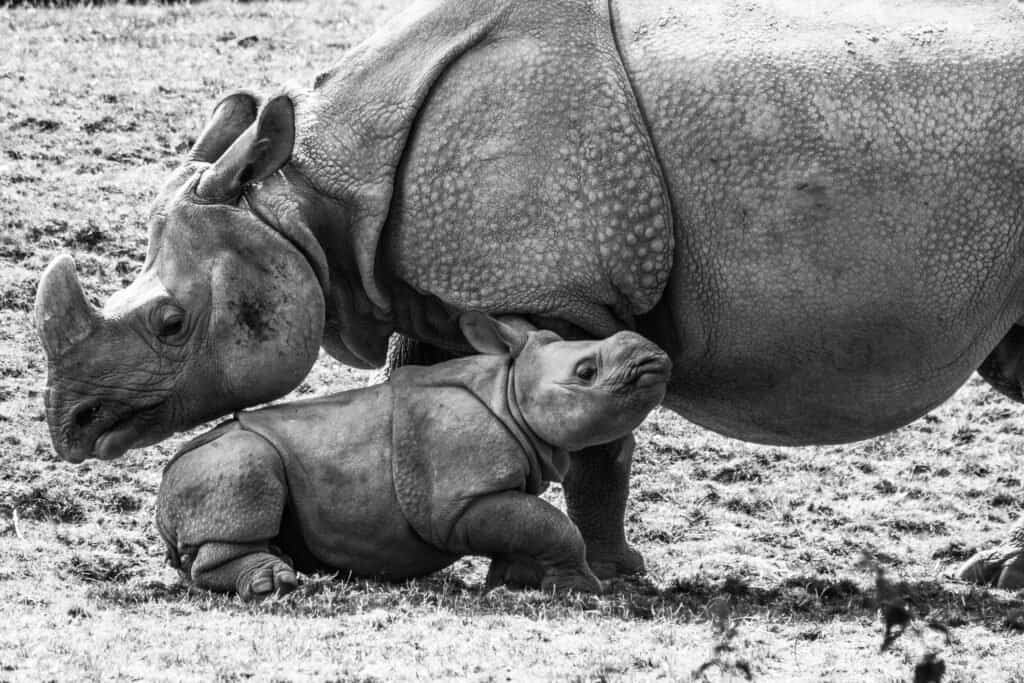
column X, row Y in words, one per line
column 227, row 312
column 575, row 394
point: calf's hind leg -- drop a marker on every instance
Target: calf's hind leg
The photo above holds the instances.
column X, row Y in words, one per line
column 1003, row 566
column 252, row 570
column 219, row 506
column 511, row 524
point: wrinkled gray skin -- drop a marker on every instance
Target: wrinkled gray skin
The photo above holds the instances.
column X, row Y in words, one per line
column 400, row 479
column 817, row 211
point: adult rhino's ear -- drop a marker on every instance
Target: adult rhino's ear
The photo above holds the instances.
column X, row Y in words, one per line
column 232, row 115
column 258, row 153
column 487, row 335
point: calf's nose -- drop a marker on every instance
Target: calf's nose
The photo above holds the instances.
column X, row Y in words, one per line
column 645, row 364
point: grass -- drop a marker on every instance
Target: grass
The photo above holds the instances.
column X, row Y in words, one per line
column 761, row 560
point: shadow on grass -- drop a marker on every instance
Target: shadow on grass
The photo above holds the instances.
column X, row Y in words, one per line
column 819, row 599
column 808, row 599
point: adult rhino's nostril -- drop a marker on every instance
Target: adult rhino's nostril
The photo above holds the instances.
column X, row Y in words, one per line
column 85, row 415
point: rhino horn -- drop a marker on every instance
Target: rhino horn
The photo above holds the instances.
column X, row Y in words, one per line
column 232, row 115
column 255, row 155
column 64, row 317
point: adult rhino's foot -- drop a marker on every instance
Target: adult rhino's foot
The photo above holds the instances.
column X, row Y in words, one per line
column 613, row 562
column 264, row 575
column 596, row 488
column 1002, row 566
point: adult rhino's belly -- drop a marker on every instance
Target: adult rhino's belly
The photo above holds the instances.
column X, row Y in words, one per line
column 848, row 217
column 794, row 386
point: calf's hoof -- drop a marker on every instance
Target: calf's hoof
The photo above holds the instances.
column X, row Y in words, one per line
column 612, row 563
column 522, row 572
column 563, row 582
column 267, row 576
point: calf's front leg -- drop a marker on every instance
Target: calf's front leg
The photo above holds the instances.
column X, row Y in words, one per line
column 512, row 524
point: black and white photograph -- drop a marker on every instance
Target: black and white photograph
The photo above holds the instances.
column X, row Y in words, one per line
column 512, row 340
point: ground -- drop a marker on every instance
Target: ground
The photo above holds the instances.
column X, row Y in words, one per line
column 761, row 560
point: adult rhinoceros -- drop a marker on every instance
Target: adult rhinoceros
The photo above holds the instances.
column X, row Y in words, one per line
column 818, row 213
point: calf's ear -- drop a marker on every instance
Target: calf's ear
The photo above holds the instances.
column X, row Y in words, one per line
column 259, row 152
column 487, row 335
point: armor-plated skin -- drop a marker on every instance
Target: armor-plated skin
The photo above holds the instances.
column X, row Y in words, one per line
column 846, row 190
column 817, row 212
column 400, row 479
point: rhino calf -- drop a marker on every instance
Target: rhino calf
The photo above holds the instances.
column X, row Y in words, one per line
column 401, row 479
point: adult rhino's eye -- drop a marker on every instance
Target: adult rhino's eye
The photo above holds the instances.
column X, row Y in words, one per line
column 170, row 322
column 586, row 371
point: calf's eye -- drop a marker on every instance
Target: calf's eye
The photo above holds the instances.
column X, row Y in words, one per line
column 586, row 371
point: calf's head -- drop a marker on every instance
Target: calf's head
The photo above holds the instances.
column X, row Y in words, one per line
column 227, row 311
column 575, row 394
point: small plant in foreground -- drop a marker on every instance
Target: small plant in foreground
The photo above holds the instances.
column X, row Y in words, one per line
column 724, row 656
column 896, row 609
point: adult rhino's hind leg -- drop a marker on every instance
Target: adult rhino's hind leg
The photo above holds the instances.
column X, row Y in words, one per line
column 1003, row 566
column 596, row 489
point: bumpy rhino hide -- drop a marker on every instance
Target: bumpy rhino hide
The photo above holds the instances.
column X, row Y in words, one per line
column 458, row 434
column 450, row 432
column 504, row 148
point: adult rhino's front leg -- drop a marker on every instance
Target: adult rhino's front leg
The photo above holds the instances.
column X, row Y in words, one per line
column 596, row 490
column 404, row 350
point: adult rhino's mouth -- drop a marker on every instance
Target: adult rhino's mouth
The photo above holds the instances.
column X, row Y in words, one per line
column 105, row 430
